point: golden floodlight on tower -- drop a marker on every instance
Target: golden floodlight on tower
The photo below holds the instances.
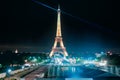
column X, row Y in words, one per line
column 58, row 38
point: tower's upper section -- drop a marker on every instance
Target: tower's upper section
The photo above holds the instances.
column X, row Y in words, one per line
column 58, row 33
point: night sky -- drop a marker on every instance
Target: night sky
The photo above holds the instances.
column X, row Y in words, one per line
column 86, row 25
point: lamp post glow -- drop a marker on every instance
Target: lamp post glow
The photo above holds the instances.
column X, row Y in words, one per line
column 9, row 70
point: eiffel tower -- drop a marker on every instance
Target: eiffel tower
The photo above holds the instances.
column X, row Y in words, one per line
column 58, row 44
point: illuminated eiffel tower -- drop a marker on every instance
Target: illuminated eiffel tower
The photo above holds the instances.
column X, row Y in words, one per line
column 58, row 44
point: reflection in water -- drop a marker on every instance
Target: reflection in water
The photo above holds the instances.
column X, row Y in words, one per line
column 64, row 68
column 64, row 71
column 75, row 72
column 73, row 69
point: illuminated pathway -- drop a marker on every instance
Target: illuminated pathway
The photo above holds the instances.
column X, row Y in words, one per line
column 39, row 73
column 18, row 75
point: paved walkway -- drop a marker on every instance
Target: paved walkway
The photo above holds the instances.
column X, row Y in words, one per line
column 18, row 75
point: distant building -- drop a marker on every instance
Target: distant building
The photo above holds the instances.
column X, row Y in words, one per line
column 16, row 51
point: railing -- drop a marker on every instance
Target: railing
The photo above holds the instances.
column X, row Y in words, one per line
column 111, row 69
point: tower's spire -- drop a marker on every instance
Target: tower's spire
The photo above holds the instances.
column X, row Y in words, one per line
column 58, row 7
column 58, row 33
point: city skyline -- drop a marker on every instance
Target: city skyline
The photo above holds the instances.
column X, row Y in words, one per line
column 28, row 24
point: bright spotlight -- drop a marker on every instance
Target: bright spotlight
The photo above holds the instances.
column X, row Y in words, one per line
column 23, row 67
column 103, row 63
column 9, row 70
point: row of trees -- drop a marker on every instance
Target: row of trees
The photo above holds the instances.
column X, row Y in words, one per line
column 9, row 58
